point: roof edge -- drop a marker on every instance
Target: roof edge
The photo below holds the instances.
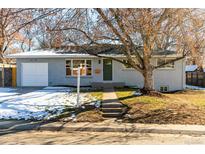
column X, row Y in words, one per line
column 15, row 56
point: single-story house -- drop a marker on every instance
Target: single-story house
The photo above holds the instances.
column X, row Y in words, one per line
column 55, row 67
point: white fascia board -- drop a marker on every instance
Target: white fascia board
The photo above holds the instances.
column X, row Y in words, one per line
column 49, row 56
column 16, row 56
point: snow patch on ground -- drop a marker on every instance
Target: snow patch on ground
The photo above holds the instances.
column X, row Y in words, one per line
column 57, row 88
column 39, row 104
column 194, row 87
column 2, row 90
column 7, row 93
column 136, row 93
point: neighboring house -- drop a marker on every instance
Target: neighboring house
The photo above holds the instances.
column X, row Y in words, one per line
column 191, row 68
column 59, row 67
column 192, row 62
column 195, row 76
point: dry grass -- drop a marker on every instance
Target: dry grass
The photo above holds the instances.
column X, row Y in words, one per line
column 186, row 107
column 90, row 116
column 97, row 94
column 189, row 97
column 146, row 102
column 93, row 115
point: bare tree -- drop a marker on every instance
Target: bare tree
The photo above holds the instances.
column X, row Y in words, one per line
column 12, row 21
column 197, row 41
column 139, row 33
column 45, row 30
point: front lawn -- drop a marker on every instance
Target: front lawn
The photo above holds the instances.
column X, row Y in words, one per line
column 93, row 115
column 186, row 107
column 42, row 104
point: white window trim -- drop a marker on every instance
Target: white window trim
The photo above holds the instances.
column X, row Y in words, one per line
column 165, row 68
column 71, row 66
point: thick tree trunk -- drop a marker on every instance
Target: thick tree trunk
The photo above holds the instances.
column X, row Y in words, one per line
column 147, row 73
column 148, row 80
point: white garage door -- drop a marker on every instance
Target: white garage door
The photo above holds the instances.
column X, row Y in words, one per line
column 34, row 74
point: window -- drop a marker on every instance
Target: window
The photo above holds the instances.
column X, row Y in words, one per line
column 68, row 67
column 164, row 88
column 125, row 65
column 161, row 61
column 88, row 67
column 76, row 64
column 72, row 67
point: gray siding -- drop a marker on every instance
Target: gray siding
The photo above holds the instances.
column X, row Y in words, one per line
column 56, row 72
column 174, row 78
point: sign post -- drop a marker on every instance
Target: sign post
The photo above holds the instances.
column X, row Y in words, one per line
column 78, row 86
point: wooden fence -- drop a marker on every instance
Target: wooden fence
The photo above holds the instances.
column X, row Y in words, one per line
column 195, row 78
column 8, row 77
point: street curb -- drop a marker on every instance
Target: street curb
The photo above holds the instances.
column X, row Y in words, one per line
column 137, row 128
column 123, row 130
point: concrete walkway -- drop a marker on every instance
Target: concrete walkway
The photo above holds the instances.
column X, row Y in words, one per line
column 109, row 96
column 111, row 106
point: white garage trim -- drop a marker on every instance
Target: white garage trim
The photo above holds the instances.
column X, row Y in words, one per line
column 34, row 74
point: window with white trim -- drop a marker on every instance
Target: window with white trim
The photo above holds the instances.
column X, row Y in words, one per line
column 161, row 61
column 72, row 67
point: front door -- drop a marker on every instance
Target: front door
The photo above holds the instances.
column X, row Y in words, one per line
column 107, row 70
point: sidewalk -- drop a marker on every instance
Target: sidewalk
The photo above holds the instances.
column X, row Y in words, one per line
column 113, row 126
column 109, row 125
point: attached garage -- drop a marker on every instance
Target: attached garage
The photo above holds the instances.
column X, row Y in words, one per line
column 34, row 74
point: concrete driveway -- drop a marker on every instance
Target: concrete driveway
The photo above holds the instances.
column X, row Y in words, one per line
column 8, row 93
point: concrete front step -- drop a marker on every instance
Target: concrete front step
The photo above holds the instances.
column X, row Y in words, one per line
column 112, row 105
column 106, row 110
column 112, row 115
